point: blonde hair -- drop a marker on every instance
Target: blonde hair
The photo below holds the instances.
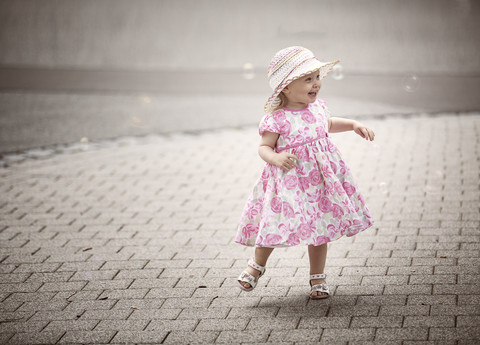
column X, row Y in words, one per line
column 283, row 102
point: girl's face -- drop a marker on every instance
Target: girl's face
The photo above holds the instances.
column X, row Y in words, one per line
column 303, row 91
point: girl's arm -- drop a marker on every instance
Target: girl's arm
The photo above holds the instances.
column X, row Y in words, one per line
column 338, row 124
column 265, row 150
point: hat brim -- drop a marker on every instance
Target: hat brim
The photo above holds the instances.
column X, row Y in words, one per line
column 324, row 67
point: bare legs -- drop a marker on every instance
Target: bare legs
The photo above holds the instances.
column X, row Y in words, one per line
column 317, row 256
column 261, row 257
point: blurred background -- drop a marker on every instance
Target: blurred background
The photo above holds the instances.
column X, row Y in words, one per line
column 84, row 70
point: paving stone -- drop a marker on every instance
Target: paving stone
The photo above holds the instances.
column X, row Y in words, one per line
column 100, row 314
column 443, row 333
column 382, row 300
column 78, row 266
column 174, row 302
column 248, row 337
column 140, row 283
column 384, row 280
column 357, row 334
column 296, row 335
column 361, row 290
column 64, row 286
column 20, row 287
column 48, row 277
column 405, row 333
column 321, row 322
column 455, row 310
column 36, row 338
column 123, row 294
column 139, row 303
column 45, row 305
column 91, row 337
column 237, row 302
column 207, row 313
column 432, row 299
column 404, row 310
column 375, row 271
column 71, row 325
column 90, row 305
column 310, row 310
column 376, row 321
column 409, row 289
column 94, row 275
column 220, row 324
column 12, row 327
column 4, row 337
column 278, row 323
column 173, row 325
column 470, row 269
column 468, row 299
column 150, row 314
column 448, row 289
column 410, row 270
column 429, row 321
column 116, row 284
column 195, row 337
column 55, row 315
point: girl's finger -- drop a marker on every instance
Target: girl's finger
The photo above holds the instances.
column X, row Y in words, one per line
column 365, row 133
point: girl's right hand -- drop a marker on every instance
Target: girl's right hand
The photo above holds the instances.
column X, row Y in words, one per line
column 284, row 161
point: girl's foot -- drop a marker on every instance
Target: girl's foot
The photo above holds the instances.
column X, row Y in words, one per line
column 253, row 272
column 318, row 281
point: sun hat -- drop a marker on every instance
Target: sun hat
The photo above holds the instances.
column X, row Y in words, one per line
column 289, row 64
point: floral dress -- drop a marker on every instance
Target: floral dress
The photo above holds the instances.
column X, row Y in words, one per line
column 314, row 203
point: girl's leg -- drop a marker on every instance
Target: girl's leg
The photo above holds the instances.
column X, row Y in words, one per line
column 261, row 257
column 318, row 257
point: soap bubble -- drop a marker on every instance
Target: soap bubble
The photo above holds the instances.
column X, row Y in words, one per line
column 383, row 187
column 410, row 82
column 337, row 72
column 146, row 99
column 137, row 121
column 248, row 71
column 376, row 149
column 84, row 143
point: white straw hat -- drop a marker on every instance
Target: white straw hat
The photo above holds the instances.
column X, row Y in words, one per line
column 289, row 64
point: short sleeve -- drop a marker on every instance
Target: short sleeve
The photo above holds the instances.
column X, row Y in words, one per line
column 325, row 110
column 268, row 123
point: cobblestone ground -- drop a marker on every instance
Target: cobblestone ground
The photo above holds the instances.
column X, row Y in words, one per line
column 133, row 243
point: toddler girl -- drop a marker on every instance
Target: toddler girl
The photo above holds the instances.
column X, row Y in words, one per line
column 306, row 194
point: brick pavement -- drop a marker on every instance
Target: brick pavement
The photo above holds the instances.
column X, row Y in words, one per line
column 133, row 243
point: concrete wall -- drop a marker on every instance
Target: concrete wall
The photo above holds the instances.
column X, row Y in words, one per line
column 384, row 36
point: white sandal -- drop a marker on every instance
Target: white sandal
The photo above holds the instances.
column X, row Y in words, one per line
column 248, row 278
column 319, row 287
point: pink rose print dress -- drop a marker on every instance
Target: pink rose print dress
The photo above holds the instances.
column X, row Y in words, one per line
column 314, row 203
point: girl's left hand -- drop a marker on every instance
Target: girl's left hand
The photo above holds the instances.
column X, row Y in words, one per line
column 363, row 131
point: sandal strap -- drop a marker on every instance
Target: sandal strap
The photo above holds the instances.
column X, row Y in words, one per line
column 256, row 266
column 320, row 288
column 318, row 276
column 247, row 278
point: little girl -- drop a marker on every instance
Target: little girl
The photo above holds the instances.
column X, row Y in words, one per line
column 306, row 193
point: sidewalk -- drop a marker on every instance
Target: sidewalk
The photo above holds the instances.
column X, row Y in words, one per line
column 133, row 243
